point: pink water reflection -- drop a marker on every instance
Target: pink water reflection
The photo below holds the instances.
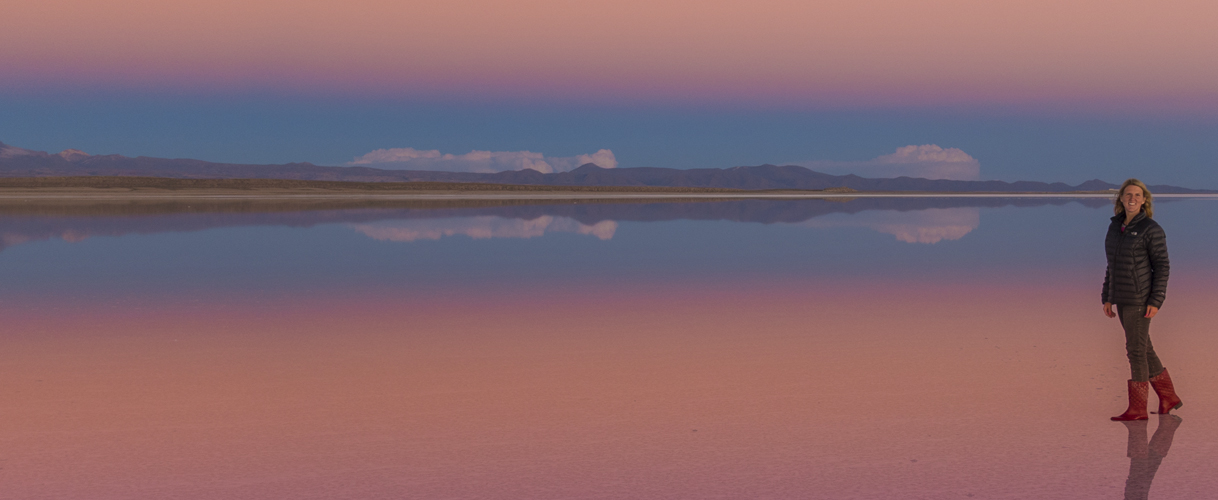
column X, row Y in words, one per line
column 761, row 390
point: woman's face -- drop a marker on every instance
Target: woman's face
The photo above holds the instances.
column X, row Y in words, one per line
column 1132, row 200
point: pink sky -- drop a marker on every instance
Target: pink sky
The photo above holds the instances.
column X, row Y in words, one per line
column 1142, row 54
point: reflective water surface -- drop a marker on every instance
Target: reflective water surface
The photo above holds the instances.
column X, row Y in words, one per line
column 866, row 348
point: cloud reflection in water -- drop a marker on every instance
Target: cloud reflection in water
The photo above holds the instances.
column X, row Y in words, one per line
column 481, row 227
column 929, row 226
column 914, row 220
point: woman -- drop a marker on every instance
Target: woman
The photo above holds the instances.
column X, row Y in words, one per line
column 1136, row 282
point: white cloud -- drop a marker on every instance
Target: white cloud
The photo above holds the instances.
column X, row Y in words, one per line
column 927, row 161
column 928, row 226
column 479, row 161
column 602, row 158
column 482, row 227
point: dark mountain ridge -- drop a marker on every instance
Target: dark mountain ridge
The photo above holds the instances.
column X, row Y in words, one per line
column 17, row 162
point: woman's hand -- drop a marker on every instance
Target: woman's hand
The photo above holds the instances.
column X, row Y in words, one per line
column 1151, row 311
column 1108, row 310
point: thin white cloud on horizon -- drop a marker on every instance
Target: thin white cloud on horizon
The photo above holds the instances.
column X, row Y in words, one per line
column 928, row 161
column 479, row 161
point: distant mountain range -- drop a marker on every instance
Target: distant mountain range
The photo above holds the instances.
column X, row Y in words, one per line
column 17, row 162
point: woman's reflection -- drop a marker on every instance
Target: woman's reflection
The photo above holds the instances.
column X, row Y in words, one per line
column 1144, row 458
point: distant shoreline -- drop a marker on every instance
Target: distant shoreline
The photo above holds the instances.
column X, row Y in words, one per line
column 160, row 188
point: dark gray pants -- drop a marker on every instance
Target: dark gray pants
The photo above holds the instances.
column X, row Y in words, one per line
column 1143, row 362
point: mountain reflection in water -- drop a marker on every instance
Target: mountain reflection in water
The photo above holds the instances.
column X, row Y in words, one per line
column 913, row 220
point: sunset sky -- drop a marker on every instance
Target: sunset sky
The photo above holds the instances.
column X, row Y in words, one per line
column 1033, row 89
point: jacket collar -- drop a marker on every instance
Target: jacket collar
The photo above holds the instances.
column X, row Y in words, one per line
column 1120, row 218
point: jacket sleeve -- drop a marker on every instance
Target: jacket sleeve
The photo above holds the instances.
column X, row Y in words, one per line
column 1104, row 292
column 1156, row 251
column 1107, row 270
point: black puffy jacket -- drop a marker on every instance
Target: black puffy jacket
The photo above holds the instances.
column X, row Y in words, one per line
column 1137, row 262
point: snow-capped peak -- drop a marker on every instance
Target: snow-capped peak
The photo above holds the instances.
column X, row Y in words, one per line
column 73, row 154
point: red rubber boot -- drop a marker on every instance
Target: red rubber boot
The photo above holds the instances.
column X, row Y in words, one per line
column 1138, row 391
column 1168, row 400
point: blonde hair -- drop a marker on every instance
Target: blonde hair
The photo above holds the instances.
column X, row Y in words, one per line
column 1148, row 205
